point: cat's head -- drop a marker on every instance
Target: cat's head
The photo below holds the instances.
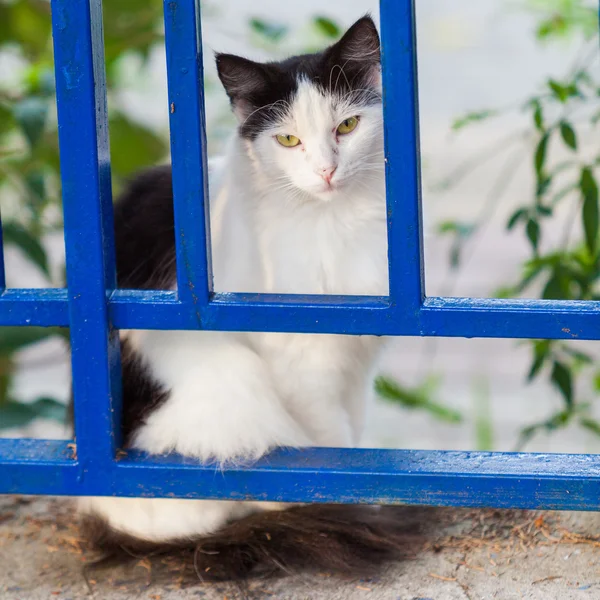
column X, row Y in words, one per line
column 313, row 122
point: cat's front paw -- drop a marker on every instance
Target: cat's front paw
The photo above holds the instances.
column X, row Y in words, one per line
column 224, row 411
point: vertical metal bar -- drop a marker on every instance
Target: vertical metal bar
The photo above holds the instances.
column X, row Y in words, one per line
column 87, row 200
column 188, row 150
column 403, row 179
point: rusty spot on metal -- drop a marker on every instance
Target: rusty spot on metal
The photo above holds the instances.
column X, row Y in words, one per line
column 172, row 107
column 73, row 448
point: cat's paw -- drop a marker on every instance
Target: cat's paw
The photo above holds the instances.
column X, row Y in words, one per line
column 222, row 410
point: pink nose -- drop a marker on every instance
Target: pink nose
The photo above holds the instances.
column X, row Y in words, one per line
column 327, row 174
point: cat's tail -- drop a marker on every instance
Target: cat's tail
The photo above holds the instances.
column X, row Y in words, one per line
column 343, row 540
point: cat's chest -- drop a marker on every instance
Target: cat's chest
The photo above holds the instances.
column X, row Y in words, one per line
column 308, row 253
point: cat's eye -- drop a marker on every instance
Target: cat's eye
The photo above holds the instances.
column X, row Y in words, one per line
column 289, row 141
column 347, row 125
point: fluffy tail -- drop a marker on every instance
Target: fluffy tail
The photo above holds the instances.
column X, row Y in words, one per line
column 343, row 540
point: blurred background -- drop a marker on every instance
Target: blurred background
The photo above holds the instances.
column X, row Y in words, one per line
column 510, row 142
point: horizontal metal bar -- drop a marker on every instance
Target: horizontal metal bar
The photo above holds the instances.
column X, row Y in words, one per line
column 362, row 315
column 39, row 307
column 443, row 317
column 436, row 478
column 256, row 312
column 498, row 318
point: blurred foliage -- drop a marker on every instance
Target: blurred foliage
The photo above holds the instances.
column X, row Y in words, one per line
column 29, row 159
column 417, row 398
column 560, row 113
column 564, row 18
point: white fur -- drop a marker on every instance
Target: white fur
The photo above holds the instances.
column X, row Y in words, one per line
column 277, row 227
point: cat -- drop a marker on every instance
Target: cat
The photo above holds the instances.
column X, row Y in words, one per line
column 297, row 206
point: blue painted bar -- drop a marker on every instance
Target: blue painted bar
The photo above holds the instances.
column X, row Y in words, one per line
column 360, row 315
column 42, row 308
column 443, row 317
column 87, row 201
column 434, row 478
column 188, row 151
column 403, row 168
column 498, row 318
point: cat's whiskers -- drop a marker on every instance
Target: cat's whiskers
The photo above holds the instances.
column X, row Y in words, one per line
column 286, row 107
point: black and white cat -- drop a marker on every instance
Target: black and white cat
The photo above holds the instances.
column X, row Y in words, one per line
column 297, row 206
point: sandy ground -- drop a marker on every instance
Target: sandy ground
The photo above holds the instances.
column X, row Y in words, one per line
column 451, row 555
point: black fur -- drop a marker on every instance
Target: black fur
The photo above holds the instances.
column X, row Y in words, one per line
column 145, row 232
column 352, row 541
column 142, row 394
column 342, row 69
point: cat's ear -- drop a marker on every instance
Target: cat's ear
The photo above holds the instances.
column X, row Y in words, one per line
column 244, row 81
column 359, row 51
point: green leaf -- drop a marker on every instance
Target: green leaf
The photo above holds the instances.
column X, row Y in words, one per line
column 48, row 408
column 517, row 216
column 540, row 154
column 538, row 116
column 541, row 351
column 533, row 233
column 543, row 183
column 456, row 253
column 7, row 121
column 131, row 26
column 418, row 398
column 40, row 80
column 562, row 379
column 556, row 421
column 568, row 135
column 589, row 191
column 474, row 117
column 580, row 357
column 16, row 414
column 31, row 114
column 133, row 146
column 545, row 211
column 13, row 339
column 26, row 23
column 15, row 234
column 590, row 425
column 36, row 182
column 463, row 230
column 561, row 194
column 558, row 286
column 563, row 92
column 327, row 27
column 273, row 32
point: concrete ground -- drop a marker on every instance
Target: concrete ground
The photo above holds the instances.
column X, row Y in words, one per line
column 458, row 555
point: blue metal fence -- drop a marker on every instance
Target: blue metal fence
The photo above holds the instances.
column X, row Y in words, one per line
column 93, row 309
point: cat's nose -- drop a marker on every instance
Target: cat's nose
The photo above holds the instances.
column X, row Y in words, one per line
column 327, row 174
